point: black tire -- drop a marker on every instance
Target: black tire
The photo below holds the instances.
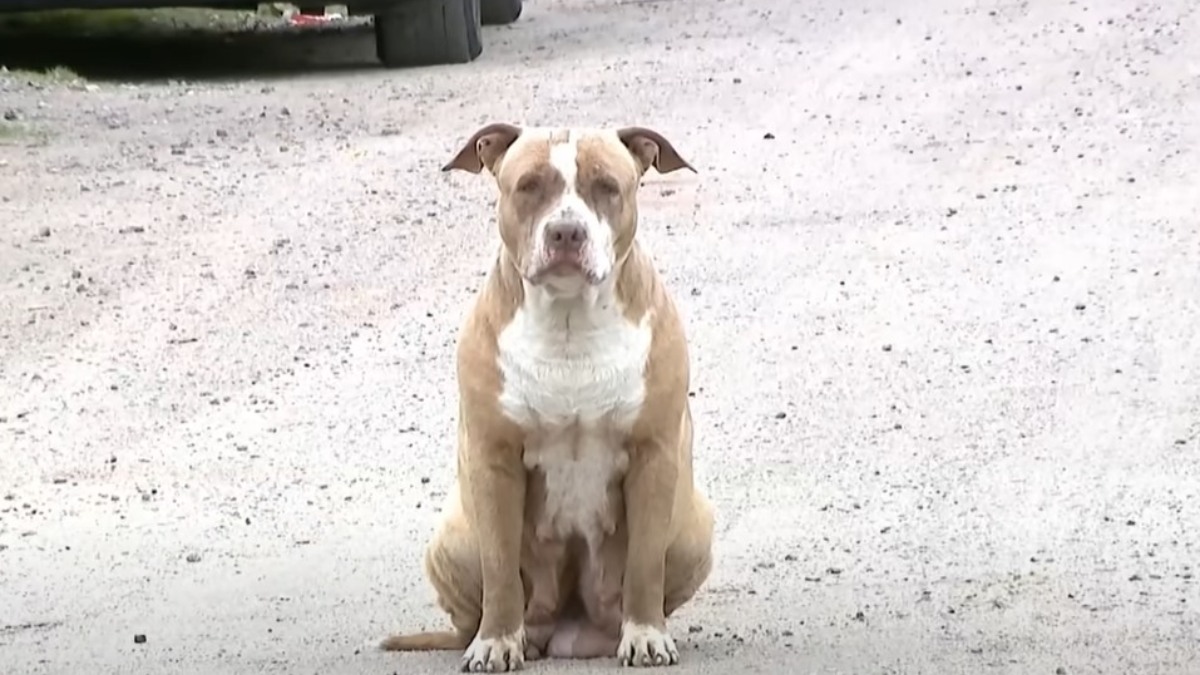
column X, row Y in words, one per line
column 500, row 12
column 429, row 33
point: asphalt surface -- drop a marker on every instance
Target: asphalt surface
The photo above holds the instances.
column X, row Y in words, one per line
column 940, row 269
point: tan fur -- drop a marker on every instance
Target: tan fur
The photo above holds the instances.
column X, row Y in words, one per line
column 424, row 642
column 493, row 572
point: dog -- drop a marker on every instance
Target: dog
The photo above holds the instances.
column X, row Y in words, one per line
column 574, row 528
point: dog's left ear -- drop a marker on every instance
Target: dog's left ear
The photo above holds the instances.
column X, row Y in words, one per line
column 485, row 148
column 651, row 149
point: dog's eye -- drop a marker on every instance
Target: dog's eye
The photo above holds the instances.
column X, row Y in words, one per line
column 529, row 184
column 607, row 187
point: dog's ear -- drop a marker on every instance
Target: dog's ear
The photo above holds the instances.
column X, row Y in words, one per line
column 484, row 148
column 650, row 149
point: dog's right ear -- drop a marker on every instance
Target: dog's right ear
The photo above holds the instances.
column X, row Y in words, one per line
column 485, row 148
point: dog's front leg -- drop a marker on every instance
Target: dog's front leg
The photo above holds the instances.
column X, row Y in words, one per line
column 497, row 485
column 649, row 500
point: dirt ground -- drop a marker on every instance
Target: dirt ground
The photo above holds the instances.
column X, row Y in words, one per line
column 940, row 269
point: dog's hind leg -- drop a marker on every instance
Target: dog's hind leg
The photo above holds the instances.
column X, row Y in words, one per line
column 689, row 557
column 452, row 565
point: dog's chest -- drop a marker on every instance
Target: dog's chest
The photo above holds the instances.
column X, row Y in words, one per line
column 577, row 393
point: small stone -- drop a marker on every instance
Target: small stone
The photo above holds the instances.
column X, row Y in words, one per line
column 780, row 415
column 139, row 639
column 1080, row 306
column 1060, row 671
column 695, row 629
column 10, row 116
column 44, row 232
column 887, row 348
column 769, row 136
column 193, row 557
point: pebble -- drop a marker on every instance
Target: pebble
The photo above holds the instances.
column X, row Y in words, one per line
column 139, row 639
column 193, row 557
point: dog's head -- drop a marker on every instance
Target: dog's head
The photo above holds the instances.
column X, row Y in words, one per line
column 568, row 198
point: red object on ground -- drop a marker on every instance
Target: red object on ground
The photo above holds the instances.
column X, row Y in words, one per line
column 303, row 19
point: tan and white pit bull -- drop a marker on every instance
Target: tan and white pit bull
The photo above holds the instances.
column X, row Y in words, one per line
column 574, row 529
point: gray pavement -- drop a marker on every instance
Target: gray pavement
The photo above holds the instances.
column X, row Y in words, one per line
column 940, row 269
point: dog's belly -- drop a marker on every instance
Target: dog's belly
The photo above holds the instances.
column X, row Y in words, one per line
column 574, row 547
column 576, row 489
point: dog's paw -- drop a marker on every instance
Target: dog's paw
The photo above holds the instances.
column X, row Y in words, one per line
column 646, row 646
column 495, row 655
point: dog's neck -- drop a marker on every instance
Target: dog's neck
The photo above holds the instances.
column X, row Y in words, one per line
column 571, row 304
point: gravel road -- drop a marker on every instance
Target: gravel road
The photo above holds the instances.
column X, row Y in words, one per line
column 940, row 269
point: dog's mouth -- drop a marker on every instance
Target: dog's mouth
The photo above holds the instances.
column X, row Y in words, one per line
column 562, row 265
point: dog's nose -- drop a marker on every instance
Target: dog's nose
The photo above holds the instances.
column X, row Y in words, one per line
column 565, row 236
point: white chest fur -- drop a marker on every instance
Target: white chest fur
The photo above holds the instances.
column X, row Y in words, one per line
column 574, row 380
